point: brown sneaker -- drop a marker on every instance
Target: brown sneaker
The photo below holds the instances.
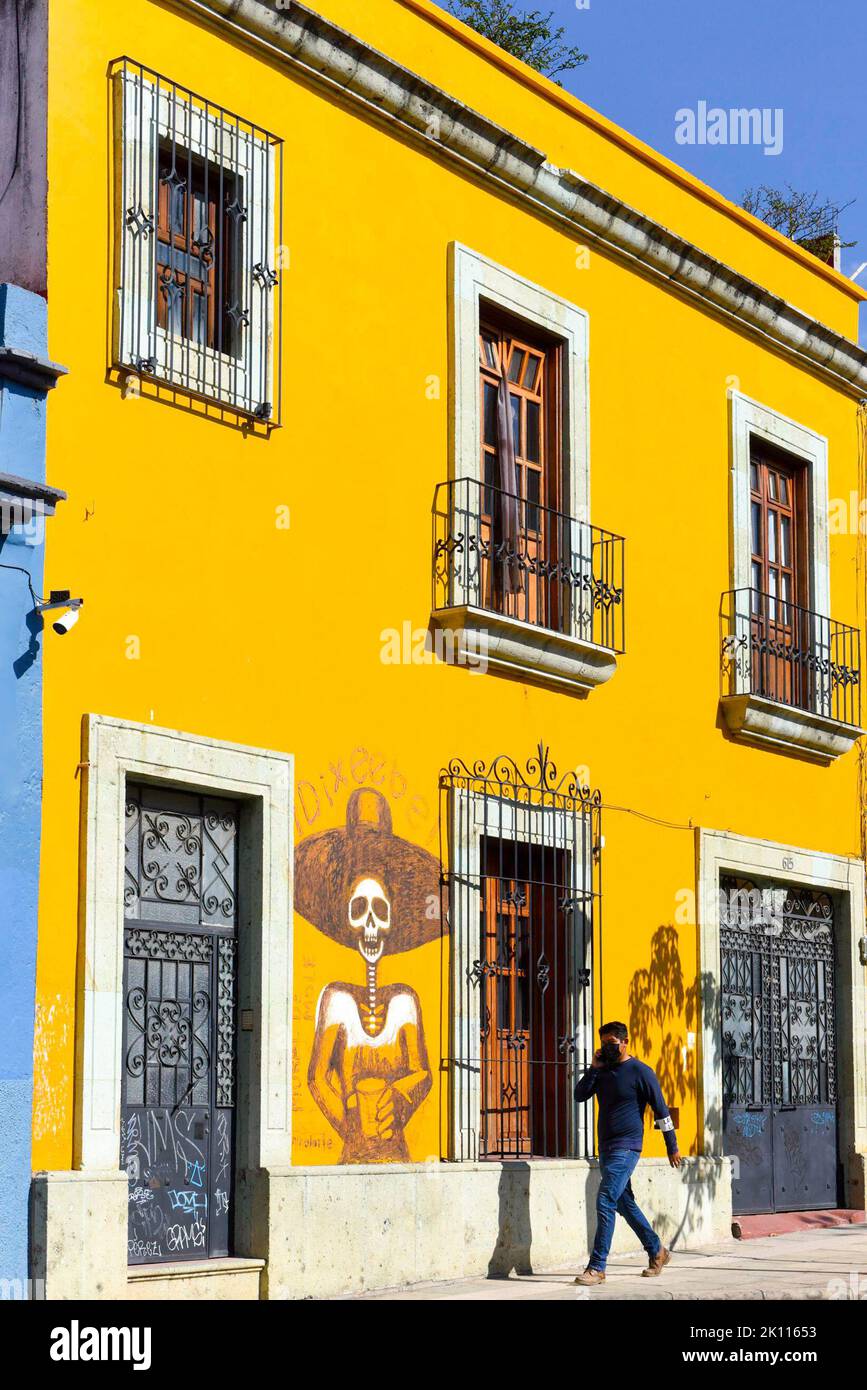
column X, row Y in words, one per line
column 657, row 1264
column 591, row 1276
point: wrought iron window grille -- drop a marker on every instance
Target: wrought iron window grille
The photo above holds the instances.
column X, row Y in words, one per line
column 778, row 1005
column 780, row 651
column 555, row 572
column 524, row 895
column 198, row 199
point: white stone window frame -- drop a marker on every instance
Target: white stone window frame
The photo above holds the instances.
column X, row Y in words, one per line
column 752, row 420
column 566, row 660
column 814, row 733
column 476, row 816
column 720, row 852
column 150, row 112
column 474, row 278
column 262, row 782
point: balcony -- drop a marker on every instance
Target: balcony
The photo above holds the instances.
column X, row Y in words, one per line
column 791, row 678
column 537, row 592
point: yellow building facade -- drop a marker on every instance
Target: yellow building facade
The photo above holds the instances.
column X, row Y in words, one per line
column 274, row 437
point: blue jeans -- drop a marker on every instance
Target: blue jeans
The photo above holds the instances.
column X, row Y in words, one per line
column 615, row 1197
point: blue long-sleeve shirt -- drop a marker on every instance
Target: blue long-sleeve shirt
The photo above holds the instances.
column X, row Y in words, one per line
column 623, row 1093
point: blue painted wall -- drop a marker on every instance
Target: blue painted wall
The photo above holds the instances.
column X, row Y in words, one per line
column 22, row 452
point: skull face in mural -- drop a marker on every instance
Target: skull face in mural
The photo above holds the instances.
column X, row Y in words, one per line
column 370, row 916
column 368, row 889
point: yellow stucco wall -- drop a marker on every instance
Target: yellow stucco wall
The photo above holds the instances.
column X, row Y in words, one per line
column 269, row 636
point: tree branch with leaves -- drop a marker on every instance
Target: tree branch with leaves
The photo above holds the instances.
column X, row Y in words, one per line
column 805, row 218
column 526, row 34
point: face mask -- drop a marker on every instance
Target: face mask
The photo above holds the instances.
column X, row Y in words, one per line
column 610, row 1053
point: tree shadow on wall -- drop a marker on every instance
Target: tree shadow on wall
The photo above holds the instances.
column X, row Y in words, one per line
column 660, row 998
column 663, row 1005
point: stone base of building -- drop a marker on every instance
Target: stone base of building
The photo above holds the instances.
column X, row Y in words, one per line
column 329, row 1231
column 855, row 1181
column 235, row 1280
column 78, row 1234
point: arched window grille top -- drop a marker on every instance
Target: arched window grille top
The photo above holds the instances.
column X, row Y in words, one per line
column 520, row 849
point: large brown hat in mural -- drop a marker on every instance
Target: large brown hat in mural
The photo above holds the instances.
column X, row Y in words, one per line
column 330, row 865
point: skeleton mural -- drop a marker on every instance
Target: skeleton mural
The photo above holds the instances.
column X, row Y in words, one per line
column 368, row 889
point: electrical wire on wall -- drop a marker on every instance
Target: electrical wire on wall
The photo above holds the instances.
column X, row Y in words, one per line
column 645, row 815
column 37, row 598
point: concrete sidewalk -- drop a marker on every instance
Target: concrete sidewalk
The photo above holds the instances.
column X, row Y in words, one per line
column 830, row 1264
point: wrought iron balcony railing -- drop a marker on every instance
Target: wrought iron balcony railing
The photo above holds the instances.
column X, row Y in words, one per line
column 514, row 557
column 776, row 650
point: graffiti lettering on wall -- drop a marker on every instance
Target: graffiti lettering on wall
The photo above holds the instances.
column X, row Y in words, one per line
column 372, row 891
column 166, row 1169
column 316, row 795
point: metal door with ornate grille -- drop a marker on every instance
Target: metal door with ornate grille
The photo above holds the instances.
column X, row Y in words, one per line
column 179, row 990
column 520, row 854
column 778, row 1045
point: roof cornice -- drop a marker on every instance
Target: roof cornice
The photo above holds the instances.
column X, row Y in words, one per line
column 431, row 12
column 329, row 55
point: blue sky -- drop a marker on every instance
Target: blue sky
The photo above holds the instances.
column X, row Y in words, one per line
column 648, row 58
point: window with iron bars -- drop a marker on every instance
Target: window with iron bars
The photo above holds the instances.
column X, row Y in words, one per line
column 521, row 860
column 197, row 250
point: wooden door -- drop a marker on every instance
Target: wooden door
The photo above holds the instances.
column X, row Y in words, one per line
column 532, row 370
column 506, row 1025
column 780, row 624
column 528, row 970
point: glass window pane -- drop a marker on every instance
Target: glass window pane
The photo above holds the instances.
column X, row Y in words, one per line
column 515, row 403
column 785, row 540
column 784, row 489
column 179, row 200
column 754, row 477
column 490, row 413
column 490, row 482
column 503, row 1002
column 502, row 938
column 533, row 493
column 532, row 372
column 756, row 527
column 522, row 1002
column 757, row 576
column 199, row 228
column 533, row 421
column 199, row 321
column 772, row 537
column 175, row 308
column 516, row 363
column 772, row 486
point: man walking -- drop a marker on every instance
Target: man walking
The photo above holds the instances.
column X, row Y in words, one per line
column 623, row 1087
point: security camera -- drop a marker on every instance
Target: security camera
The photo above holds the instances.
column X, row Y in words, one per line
column 69, row 619
column 61, row 598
